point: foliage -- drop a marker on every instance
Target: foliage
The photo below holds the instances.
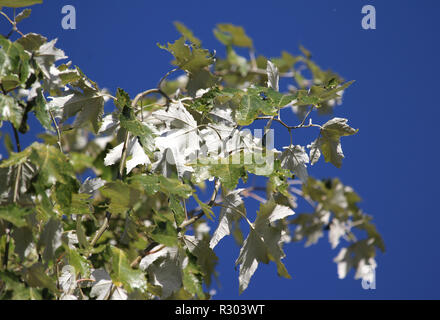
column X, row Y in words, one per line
column 136, row 228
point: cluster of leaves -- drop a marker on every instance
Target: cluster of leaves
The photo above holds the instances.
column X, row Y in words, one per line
column 128, row 232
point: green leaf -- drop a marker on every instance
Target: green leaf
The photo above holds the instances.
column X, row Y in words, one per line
column 122, row 99
column 202, row 79
column 35, row 276
column 122, row 196
column 13, row 60
column 164, row 231
column 41, row 111
column 329, row 141
column 192, row 281
column 187, row 58
column 206, row 257
column 259, row 100
column 32, row 41
column 19, row 3
column 154, row 183
column 207, row 210
column 82, row 265
column 187, row 33
column 177, row 207
column 19, row 290
column 23, row 15
column 229, row 34
column 137, row 128
column 228, row 173
column 52, row 163
column 251, row 106
column 123, row 273
column 15, row 215
column 81, row 234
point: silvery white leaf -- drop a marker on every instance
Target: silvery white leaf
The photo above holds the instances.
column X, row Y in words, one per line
column 273, row 76
column 67, row 279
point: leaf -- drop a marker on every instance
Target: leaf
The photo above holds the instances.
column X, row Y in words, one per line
column 82, row 265
column 67, row 279
column 122, row 196
column 329, row 141
column 263, row 243
column 143, row 132
column 10, row 110
column 205, row 208
column 19, row 3
column 179, row 142
column 41, row 111
column 13, row 60
column 187, row 33
column 165, row 232
column 232, row 202
column 89, row 186
column 167, row 272
column 202, row 79
column 52, row 163
column 88, row 107
column 15, row 215
column 46, row 56
column 251, row 106
column 206, row 257
column 13, row 283
column 122, row 272
column 23, row 241
column 151, row 184
column 32, row 41
column 23, row 15
column 273, row 76
column 122, row 99
column 231, row 35
column 191, row 59
column 358, row 256
column 35, row 276
column 295, row 159
column 337, row 230
column 310, row 226
column 50, row 239
column 102, row 287
column 228, row 174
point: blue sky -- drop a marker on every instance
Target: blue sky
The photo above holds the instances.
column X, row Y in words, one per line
column 391, row 162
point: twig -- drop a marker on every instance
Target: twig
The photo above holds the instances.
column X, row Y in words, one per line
column 13, row 23
column 57, row 129
column 148, row 250
column 201, row 213
column 101, row 230
column 286, row 125
column 159, row 85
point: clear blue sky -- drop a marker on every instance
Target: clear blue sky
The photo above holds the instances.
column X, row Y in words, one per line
column 391, row 162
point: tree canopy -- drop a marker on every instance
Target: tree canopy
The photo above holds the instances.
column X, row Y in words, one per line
column 107, row 205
